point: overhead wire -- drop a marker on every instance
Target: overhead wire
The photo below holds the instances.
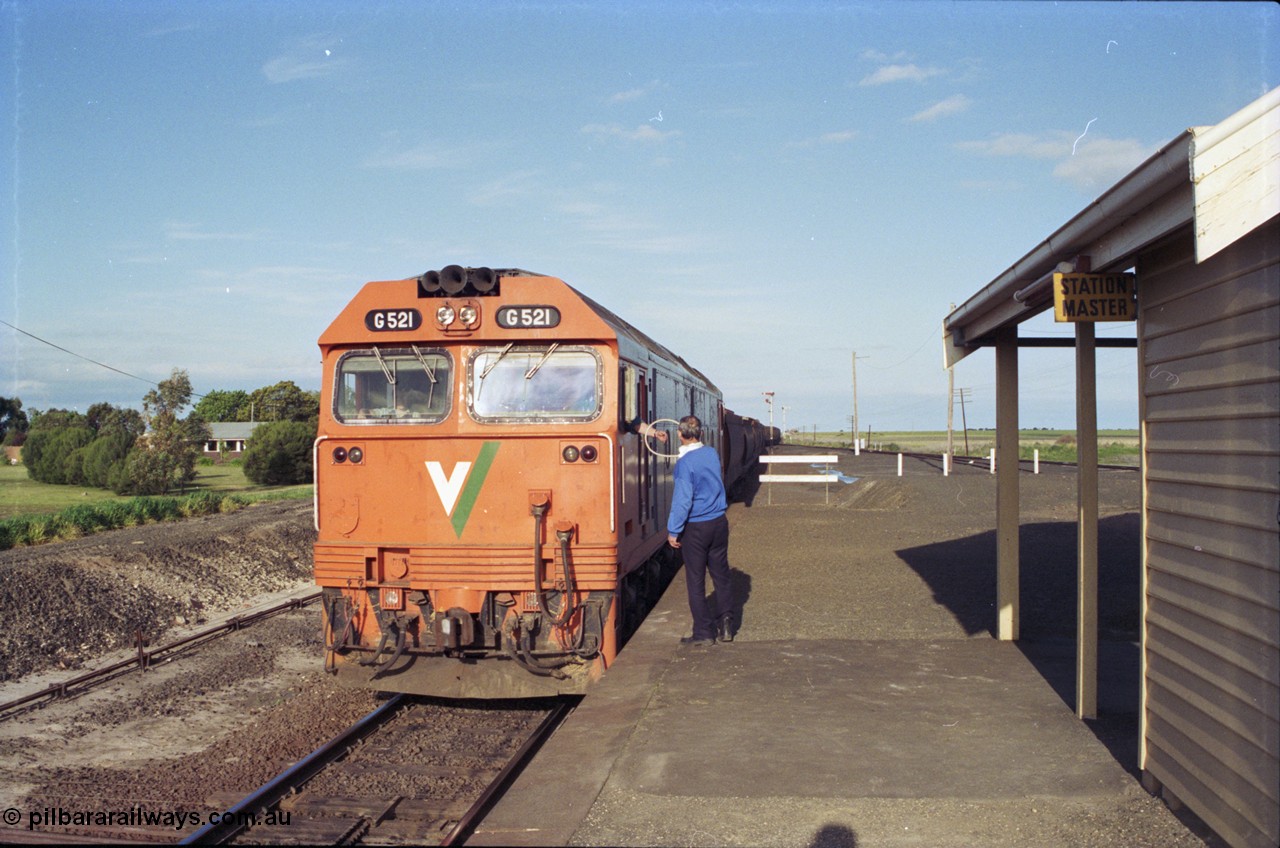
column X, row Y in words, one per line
column 85, row 358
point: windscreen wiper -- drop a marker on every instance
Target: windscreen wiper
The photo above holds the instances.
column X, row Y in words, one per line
column 528, row 375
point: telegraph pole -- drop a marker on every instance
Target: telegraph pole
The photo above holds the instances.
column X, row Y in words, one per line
column 951, row 409
column 951, row 404
column 855, row 400
column 964, row 422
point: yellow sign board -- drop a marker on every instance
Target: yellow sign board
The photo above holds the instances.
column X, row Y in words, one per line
column 1094, row 297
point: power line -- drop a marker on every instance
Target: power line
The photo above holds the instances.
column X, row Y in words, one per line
column 79, row 356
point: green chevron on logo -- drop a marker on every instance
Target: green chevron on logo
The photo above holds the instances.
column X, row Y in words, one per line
column 459, row 490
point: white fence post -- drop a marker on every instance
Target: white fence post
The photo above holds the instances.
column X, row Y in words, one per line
column 993, row 460
column 827, row 476
column 899, row 465
column 1036, row 463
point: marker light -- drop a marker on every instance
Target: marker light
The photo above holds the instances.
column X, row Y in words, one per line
column 339, row 455
column 589, row 453
column 356, row 455
column 445, row 315
column 570, row 454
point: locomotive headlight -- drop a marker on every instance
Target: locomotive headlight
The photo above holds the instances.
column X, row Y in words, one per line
column 445, row 315
column 468, row 315
column 339, row 455
column 589, row 453
column 356, row 455
column 570, row 454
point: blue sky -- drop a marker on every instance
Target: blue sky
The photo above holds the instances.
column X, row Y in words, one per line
column 764, row 187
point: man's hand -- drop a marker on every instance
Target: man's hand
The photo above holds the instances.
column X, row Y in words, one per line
column 673, row 541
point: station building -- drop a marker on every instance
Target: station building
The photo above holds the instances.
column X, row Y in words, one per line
column 1194, row 234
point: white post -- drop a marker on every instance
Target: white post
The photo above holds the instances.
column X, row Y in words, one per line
column 1036, row 462
column 857, row 445
column 946, row 465
column 993, row 460
column 899, row 465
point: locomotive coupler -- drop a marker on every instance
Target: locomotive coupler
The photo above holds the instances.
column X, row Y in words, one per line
column 454, row 630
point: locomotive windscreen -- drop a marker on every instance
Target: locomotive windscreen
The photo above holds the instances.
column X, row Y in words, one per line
column 538, row 383
column 393, row 385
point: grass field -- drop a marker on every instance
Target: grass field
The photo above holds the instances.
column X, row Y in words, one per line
column 1115, row 447
column 20, row 495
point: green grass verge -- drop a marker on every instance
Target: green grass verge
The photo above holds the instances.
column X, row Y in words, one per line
column 31, row 512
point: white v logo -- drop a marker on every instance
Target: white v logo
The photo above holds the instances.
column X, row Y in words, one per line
column 448, row 488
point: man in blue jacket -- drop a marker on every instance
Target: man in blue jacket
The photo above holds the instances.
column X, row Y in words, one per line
column 698, row 527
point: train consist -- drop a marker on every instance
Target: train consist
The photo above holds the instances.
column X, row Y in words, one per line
column 490, row 521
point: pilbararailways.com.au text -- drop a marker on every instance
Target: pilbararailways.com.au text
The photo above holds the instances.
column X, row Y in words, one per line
column 137, row 817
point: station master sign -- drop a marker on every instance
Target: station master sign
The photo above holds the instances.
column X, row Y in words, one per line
column 1094, row 297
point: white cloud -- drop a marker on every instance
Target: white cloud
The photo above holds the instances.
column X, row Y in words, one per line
column 900, row 73
column 506, row 189
column 1099, row 162
column 313, row 57
column 1090, row 161
column 187, row 231
column 871, row 55
column 951, row 106
column 645, row 133
column 633, row 93
column 424, row 157
column 605, row 226
column 826, row 139
column 1051, row 145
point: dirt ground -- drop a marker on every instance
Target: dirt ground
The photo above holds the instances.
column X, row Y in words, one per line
column 201, row 729
column 194, row 733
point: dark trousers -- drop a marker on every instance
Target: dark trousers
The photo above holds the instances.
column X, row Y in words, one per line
column 705, row 545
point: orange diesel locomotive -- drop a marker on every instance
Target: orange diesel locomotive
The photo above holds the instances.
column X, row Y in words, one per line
column 490, row 523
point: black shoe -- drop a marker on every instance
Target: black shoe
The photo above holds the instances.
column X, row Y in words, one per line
column 700, row 643
column 726, row 630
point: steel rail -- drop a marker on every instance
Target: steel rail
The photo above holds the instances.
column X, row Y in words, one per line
column 144, row 658
column 234, row 820
column 477, row 811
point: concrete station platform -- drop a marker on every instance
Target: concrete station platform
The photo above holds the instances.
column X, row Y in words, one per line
column 861, row 704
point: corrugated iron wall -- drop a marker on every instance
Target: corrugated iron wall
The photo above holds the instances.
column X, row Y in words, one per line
column 1210, row 347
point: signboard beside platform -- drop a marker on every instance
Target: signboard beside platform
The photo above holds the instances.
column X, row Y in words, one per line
column 1094, row 297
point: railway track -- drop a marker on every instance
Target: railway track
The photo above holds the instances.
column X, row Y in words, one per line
column 147, row 657
column 411, row 772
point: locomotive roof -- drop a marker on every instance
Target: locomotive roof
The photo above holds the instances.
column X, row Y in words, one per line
column 620, row 325
column 641, row 338
column 337, row 332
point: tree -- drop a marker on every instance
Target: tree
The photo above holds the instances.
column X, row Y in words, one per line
column 280, row 453
column 284, row 402
column 13, row 421
column 47, row 453
column 166, row 458
column 222, row 405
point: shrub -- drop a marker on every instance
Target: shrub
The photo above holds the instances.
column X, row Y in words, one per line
column 280, row 453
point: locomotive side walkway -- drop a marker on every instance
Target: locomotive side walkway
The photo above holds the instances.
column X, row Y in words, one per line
column 865, row 701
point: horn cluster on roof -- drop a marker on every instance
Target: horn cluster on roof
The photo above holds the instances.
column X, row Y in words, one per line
column 456, row 281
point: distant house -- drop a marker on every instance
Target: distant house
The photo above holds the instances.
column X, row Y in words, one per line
column 228, row 439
